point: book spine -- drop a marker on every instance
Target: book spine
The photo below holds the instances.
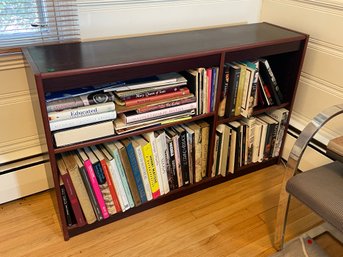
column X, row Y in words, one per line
column 62, row 124
column 182, row 91
column 172, row 174
column 151, row 170
column 232, row 95
column 184, row 157
column 154, row 107
column 70, row 219
column 159, row 113
column 177, row 160
column 154, row 92
column 93, row 180
column 123, row 179
column 82, row 195
column 191, row 156
column 162, row 148
column 274, row 84
column 79, row 101
column 136, row 173
column 90, row 193
column 209, row 88
column 110, row 185
column 73, row 200
column 205, row 132
column 123, row 200
column 143, row 171
column 224, row 92
column 81, row 112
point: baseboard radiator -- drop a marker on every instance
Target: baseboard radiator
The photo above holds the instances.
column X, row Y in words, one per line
column 24, row 177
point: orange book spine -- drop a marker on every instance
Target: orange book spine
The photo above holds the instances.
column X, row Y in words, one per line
column 132, row 102
column 110, row 185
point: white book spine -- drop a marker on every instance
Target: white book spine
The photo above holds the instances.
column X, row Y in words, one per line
column 81, row 112
column 124, row 203
column 82, row 120
column 256, row 143
column 162, row 152
column 162, row 112
column 262, row 142
column 151, row 138
column 144, row 174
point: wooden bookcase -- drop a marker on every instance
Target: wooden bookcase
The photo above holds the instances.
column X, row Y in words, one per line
column 64, row 66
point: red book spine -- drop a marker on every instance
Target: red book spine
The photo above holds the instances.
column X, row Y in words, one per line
column 150, row 93
column 110, row 185
column 132, row 102
column 68, row 184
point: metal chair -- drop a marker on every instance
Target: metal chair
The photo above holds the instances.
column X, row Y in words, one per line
column 321, row 189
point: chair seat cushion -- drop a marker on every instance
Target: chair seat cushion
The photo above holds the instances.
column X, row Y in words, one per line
column 321, row 189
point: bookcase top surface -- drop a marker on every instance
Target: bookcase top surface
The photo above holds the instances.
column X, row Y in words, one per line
column 88, row 56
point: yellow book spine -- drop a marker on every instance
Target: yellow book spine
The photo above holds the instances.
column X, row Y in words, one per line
column 151, row 170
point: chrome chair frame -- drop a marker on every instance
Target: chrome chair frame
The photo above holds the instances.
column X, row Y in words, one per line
column 292, row 167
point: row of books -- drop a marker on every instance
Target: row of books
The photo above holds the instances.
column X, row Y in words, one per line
column 99, row 181
column 249, row 140
column 246, row 85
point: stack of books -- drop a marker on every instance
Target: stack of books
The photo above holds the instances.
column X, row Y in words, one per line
column 247, row 84
column 153, row 101
column 248, row 140
column 81, row 114
column 101, row 180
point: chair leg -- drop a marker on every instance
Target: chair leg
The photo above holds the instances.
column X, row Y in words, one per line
column 281, row 220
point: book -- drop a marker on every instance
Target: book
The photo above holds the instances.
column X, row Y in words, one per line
column 232, row 153
column 242, row 86
column 120, row 176
column 94, row 183
column 233, row 87
column 272, row 126
column 174, row 136
column 224, row 130
column 183, row 150
column 85, row 133
column 247, row 98
column 205, row 132
column 80, row 220
column 150, row 167
column 224, row 92
column 81, row 111
column 105, row 168
column 70, row 218
column 80, row 189
column 162, row 156
column 171, row 170
column 147, row 92
column 75, row 122
column 100, row 177
column 141, row 164
column 215, row 164
column 257, row 141
column 131, row 117
column 209, row 89
column 190, row 135
column 135, row 169
column 262, row 143
column 197, row 155
column 281, row 116
column 150, row 137
column 132, row 102
column 269, row 78
column 152, row 81
column 128, row 172
column 236, row 132
column 193, row 85
column 88, row 186
column 79, row 101
column 214, row 86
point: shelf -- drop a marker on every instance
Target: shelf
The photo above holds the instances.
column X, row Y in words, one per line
column 130, row 134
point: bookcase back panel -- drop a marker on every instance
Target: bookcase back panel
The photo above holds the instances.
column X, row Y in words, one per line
column 133, row 71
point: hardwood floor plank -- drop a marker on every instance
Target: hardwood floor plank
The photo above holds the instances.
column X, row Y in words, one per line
column 234, row 219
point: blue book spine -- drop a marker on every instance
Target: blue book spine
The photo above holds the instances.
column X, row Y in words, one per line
column 213, row 82
column 100, row 177
column 123, row 178
column 136, row 173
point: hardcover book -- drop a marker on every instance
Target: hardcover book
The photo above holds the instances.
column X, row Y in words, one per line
column 73, row 170
column 71, row 193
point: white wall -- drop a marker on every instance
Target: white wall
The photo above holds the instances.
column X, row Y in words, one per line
column 22, row 136
column 321, row 82
column 111, row 18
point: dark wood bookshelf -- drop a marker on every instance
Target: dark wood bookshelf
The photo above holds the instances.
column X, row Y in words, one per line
column 72, row 65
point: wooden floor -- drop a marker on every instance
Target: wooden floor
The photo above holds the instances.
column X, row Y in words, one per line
column 234, row 219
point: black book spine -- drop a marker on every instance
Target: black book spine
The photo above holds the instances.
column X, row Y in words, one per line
column 90, row 193
column 172, row 174
column 232, row 95
column 70, row 218
column 184, row 157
